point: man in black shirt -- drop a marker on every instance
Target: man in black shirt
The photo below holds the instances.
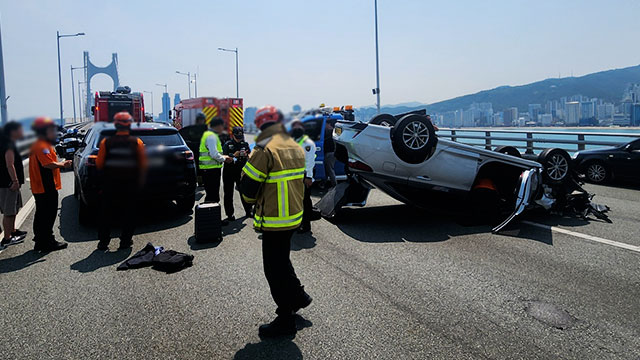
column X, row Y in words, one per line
column 238, row 150
column 329, row 147
column 11, row 179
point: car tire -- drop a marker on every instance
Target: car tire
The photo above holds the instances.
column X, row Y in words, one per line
column 384, row 120
column 597, row 172
column 557, row 165
column 414, row 138
column 508, row 150
column 186, row 204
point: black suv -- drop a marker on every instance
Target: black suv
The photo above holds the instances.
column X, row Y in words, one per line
column 171, row 174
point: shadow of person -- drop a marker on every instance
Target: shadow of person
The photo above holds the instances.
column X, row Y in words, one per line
column 98, row 259
column 234, row 227
column 195, row 245
column 282, row 348
column 303, row 241
column 20, row 262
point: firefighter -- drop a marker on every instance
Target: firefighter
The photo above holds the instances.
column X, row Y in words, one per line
column 309, row 147
column 238, row 150
column 273, row 179
column 44, row 173
column 123, row 163
column 211, row 159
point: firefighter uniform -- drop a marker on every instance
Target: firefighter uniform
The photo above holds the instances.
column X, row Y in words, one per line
column 210, row 164
column 45, row 184
column 122, row 161
column 231, row 175
column 273, row 180
column 309, row 148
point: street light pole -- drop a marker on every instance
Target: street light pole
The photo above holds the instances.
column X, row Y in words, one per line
column 377, row 90
column 195, row 83
column 188, row 75
column 237, row 81
column 58, row 36
column 151, row 92
column 3, row 90
column 80, row 95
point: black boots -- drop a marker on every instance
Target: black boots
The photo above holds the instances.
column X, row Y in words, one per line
column 282, row 325
column 48, row 246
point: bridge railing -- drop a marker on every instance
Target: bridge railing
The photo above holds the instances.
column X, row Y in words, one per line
column 532, row 140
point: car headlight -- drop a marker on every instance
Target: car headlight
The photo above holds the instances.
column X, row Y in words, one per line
column 337, row 131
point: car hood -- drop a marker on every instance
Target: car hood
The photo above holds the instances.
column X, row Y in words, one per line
column 598, row 151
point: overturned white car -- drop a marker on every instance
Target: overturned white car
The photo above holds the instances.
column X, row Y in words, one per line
column 402, row 156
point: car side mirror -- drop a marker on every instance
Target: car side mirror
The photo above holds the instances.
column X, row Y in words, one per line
column 93, row 110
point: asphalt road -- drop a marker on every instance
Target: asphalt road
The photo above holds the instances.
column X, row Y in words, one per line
column 388, row 281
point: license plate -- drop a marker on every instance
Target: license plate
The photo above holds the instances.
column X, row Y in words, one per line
column 70, row 150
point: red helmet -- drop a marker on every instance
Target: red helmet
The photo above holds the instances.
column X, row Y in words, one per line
column 122, row 120
column 42, row 122
column 267, row 114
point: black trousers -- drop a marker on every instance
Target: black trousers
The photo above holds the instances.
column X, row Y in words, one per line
column 211, row 179
column 45, row 217
column 119, row 208
column 308, row 207
column 231, row 178
column 286, row 289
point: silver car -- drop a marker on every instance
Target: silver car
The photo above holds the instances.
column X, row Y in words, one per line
column 402, row 156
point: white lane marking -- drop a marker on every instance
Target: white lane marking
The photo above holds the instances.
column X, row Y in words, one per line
column 585, row 236
column 23, row 213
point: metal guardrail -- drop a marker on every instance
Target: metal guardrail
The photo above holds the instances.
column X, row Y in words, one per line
column 530, row 138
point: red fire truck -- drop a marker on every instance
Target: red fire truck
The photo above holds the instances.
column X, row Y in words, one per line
column 229, row 109
column 108, row 103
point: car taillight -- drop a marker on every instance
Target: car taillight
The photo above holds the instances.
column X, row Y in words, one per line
column 91, row 160
column 359, row 165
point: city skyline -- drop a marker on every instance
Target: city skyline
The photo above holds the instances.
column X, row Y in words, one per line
column 292, row 53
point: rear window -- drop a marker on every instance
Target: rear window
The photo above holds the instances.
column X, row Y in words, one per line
column 151, row 138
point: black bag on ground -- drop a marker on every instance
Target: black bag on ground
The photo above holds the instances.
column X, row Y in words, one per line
column 208, row 222
column 171, row 261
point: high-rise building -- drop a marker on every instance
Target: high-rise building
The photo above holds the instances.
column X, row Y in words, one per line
column 509, row 116
column 587, row 110
column 635, row 115
column 467, row 118
column 572, row 113
column 604, row 112
column 534, row 111
column 545, row 119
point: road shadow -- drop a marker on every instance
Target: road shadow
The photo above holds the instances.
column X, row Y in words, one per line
column 99, row 259
column 20, row 262
column 404, row 223
column 274, row 349
column 152, row 217
column 303, row 241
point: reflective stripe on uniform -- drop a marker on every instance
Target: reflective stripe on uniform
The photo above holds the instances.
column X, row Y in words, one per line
column 278, row 222
column 254, row 173
column 285, row 175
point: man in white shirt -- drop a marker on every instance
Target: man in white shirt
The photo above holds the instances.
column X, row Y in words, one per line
column 211, row 159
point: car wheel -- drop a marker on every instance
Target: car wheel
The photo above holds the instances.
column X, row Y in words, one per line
column 186, row 204
column 414, row 138
column 508, row 150
column 556, row 164
column 384, row 120
column 597, row 172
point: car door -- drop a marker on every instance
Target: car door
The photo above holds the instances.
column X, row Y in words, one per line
column 627, row 161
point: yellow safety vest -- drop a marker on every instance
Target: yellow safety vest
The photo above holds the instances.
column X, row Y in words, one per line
column 205, row 161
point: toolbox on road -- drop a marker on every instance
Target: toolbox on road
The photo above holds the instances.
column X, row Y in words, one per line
column 208, row 220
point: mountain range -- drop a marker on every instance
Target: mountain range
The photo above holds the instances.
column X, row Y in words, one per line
column 606, row 85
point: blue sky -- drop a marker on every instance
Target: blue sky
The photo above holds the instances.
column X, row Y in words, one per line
column 308, row 52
